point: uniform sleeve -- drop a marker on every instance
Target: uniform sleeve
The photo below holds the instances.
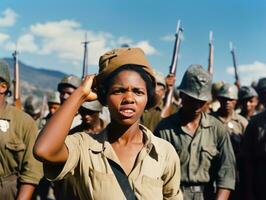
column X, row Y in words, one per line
column 54, row 173
column 31, row 170
column 172, row 176
column 226, row 162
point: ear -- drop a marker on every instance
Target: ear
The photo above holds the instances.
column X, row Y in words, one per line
column 3, row 88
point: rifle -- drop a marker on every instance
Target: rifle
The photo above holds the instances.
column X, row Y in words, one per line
column 210, row 60
column 85, row 58
column 172, row 71
column 232, row 50
column 16, row 95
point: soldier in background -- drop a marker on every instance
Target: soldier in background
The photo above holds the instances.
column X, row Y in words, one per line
column 255, row 152
column 201, row 141
column 152, row 117
column 32, row 106
column 90, row 116
column 20, row 172
column 66, row 87
column 235, row 123
column 248, row 101
column 53, row 102
column 260, row 88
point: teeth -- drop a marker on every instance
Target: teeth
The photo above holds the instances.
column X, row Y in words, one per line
column 128, row 111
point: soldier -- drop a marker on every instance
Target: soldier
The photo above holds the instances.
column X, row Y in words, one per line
column 66, row 87
column 248, row 101
column 152, row 117
column 32, row 106
column 19, row 171
column 236, row 124
column 201, row 141
column 260, row 88
column 53, row 102
column 91, row 121
column 125, row 160
column 255, row 152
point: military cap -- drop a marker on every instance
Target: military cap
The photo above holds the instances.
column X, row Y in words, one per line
column 246, row 92
column 54, row 97
column 93, row 105
column 159, row 78
column 116, row 58
column 4, row 71
column 261, row 86
column 196, row 83
column 229, row 91
column 69, row 80
column 32, row 105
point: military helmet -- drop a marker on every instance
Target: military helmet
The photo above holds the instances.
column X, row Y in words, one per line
column 69, row 81
column 196, row 83
column 32, row 105
column 159, row 77
column 54, row 97
column 93, row 105
column 216, row 87
column 229, row 91
column 246, row 92
column 261, row 86
column 4, row 71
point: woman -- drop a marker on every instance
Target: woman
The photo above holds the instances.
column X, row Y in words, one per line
column 125, row 84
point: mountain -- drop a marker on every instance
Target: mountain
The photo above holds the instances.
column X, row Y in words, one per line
column 35, row 81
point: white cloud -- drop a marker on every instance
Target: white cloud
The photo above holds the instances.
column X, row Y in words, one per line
column 8, row 18
column 146, row 47
column 4, row 37
column 249, row 72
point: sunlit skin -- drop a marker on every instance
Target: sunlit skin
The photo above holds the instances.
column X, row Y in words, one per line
column 53, row 107
column 248, row 106
column 65, row 92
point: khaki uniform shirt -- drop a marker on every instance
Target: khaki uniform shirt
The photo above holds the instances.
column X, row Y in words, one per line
column 156, row 174
column 206, row 157
column 18, row 132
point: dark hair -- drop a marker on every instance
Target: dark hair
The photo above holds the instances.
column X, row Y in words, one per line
column 104, row 87
column 8, row 92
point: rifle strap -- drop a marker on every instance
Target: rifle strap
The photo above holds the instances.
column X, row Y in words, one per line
column 122, row 179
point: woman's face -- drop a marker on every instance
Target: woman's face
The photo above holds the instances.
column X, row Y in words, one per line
column 127, row 97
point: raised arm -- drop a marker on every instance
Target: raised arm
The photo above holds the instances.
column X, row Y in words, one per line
column 49, row 146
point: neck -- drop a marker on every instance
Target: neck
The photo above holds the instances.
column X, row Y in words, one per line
column 124, row 134
column 190, row 118
column 225, row 114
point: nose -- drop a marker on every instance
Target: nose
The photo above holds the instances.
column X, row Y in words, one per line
column 128, row 98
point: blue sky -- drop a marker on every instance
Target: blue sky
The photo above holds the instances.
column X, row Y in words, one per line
column 49, row 33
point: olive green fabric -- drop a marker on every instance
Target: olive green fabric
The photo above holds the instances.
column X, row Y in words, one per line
column 18, row 132
column 160, row 79
column 152, row 117
column 254, row 143
column 246, row 92
column 156, row 173
column 116, row 58
column 196, row 83
column 229, row 91
column 206, row 157
column 4, row 71
column 69, row 81
column 54, row 97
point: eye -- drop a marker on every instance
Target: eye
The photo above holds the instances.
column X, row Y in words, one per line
column 117, row 91
column 138, row 91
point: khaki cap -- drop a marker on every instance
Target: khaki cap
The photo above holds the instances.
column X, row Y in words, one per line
column 116, row 58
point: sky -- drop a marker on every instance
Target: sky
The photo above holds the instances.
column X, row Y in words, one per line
column 49, row 34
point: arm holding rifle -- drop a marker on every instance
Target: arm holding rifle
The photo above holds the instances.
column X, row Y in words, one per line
column 170, row 80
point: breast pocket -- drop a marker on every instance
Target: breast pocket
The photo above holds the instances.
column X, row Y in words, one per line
column 104, row 186
column 207, row 155
column 152, row 188
column 15, row 153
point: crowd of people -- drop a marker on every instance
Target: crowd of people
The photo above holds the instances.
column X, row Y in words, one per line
column 108, row 136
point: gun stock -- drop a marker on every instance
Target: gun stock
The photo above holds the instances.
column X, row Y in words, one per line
column 16, row 81
column 210, row 60
column 167, row 110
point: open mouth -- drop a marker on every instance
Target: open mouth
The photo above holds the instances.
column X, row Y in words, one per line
column 127, row 112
